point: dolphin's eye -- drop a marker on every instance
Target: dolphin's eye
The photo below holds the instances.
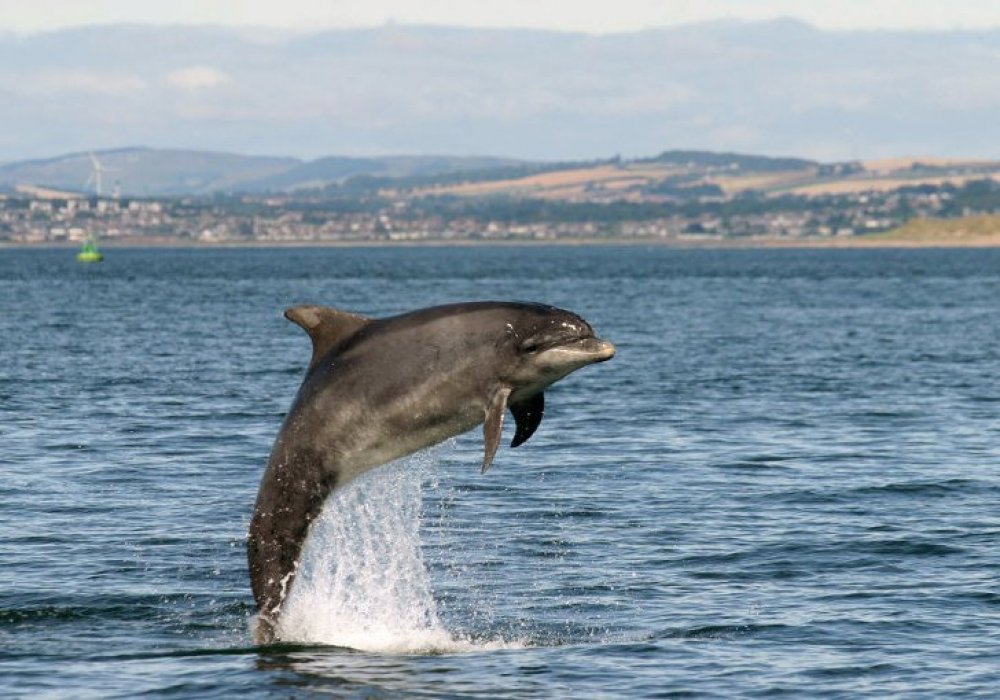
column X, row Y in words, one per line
column 531, row 345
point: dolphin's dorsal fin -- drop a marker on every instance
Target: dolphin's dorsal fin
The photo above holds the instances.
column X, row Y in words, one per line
column 325, row 326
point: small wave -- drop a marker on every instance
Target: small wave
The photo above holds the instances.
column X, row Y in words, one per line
column 923, row 489
column 53, row 613
column 908, row 489
column 751, row 464
column 178, row 609
column 985, row 597
column 74, row 613
column 907, row 547
column 802, row 560
column 852, row 671
column 722, row 631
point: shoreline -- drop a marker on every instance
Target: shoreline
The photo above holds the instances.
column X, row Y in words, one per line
column 861, row 242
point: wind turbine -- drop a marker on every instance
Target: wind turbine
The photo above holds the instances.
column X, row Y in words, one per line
column 97, row 170
column 95, row 174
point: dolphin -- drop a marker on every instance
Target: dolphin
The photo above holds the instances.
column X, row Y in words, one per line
column 380, row 389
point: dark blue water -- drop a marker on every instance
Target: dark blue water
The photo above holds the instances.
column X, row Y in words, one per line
column 786, row 483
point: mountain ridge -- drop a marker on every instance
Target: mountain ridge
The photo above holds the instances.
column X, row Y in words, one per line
column 147, row 171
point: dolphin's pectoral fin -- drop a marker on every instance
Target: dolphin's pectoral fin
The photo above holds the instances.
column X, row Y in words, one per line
column 493, row 425
column 325, row 326
column 528, row 416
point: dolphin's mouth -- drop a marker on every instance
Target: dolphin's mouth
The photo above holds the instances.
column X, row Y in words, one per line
column 588, row 350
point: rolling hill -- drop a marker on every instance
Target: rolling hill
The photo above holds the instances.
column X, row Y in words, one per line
column 679, row 174
column 155, row 172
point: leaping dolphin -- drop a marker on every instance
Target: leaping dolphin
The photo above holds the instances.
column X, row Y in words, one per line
column 380, row 389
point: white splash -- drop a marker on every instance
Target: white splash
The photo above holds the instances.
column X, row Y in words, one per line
column 363, row 583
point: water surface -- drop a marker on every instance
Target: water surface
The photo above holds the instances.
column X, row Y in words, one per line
column 785, row 483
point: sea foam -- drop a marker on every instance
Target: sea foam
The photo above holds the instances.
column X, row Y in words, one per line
column 363, row 582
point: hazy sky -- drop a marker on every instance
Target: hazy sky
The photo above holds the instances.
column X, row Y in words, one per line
column 776, row 88
column 572, row 15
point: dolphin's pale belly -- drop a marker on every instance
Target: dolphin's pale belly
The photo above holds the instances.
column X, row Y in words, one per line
column 408, row 428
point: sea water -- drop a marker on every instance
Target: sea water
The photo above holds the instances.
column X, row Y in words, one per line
column 786, row 482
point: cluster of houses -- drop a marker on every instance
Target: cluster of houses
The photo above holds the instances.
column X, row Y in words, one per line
column 54, row 220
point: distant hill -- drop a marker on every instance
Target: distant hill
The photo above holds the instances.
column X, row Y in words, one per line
column 335, row 169
column 146, row 171
column 738, row 161
column 676, row 174
column 170, row 172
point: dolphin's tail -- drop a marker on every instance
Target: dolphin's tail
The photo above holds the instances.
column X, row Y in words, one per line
column 263, row 631
column 291, row 495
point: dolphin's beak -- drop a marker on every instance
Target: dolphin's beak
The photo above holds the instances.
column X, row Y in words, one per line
column 584, row 351
column 601, row 350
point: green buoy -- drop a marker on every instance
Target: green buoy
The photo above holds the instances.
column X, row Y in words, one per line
column 89, row 252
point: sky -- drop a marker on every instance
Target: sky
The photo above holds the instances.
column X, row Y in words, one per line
column 826, row 91
column 589, row 16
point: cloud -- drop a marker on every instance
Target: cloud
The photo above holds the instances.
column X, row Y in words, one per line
column 196, row 78
column 769, row 87
column 82, row 81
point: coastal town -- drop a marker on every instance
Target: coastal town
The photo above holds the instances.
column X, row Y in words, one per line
column 678, row 196
column 289, row 218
